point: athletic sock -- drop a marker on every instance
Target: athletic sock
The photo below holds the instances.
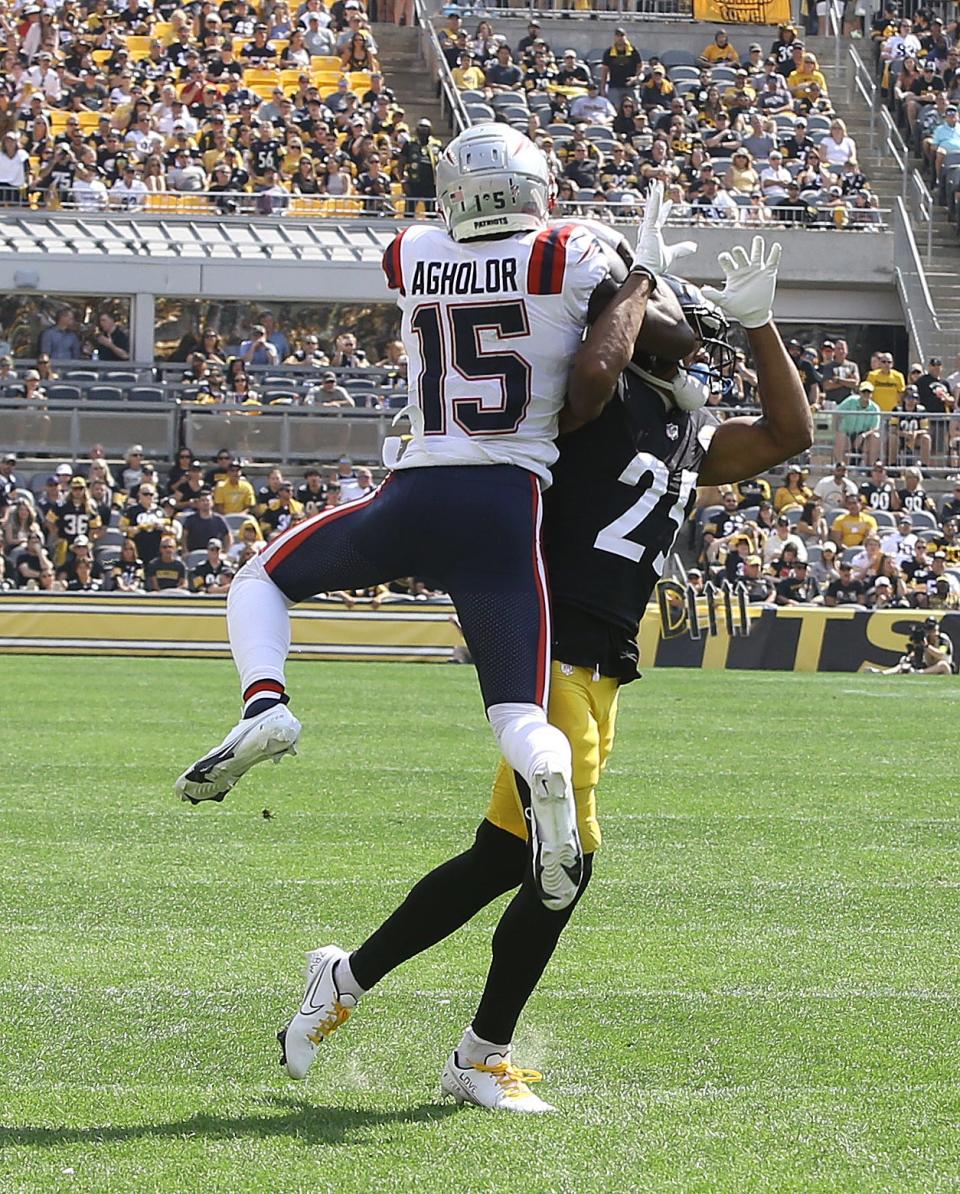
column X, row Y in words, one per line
column 262, row 695
column 345, row 980
column 473, row 1049
column 523, row 944
column 258, row 623
column 443, row 901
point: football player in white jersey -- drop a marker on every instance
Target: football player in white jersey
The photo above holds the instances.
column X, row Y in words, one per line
column 494, row 306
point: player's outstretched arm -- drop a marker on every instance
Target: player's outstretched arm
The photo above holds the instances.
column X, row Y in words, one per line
column 612, row 340
column 742, row 448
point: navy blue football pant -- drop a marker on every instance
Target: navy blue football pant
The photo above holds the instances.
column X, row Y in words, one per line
column 473, row 531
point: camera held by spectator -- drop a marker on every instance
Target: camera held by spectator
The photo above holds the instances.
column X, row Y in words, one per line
column 929, row 653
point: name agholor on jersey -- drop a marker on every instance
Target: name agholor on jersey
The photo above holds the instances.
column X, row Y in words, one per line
column 490, row 328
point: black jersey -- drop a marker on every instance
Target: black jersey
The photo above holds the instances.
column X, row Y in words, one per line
column 623, row 487
column 877, row 497
column 913, row 500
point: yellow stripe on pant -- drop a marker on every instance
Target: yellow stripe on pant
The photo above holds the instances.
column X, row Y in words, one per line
column 586, row 711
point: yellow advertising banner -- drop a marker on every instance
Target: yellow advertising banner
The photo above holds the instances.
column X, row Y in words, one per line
column 742, row 12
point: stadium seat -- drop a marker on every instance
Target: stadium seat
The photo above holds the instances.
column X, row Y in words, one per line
column 62, row 393
column 885, row 519
column 678, row 58
column 236, row 521
column 104, row 394
column 111, row 537
column 194, row 558
column 139, row 47
column 923, row 520
column 793, row 514
column 146, row 394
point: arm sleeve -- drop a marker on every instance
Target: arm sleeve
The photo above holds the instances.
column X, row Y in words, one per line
column 586, row 268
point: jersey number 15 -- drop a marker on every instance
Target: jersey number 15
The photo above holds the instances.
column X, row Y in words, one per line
column 456, row 349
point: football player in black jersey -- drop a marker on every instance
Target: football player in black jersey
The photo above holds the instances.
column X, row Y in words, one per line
column 641, row 443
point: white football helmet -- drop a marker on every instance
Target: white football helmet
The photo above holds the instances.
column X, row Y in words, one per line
column 490, row 180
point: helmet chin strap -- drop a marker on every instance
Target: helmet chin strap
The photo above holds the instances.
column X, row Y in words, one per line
column 685, row 391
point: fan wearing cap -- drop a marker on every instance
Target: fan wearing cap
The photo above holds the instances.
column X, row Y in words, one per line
column 76, row 516
column 857, row 423
column 620, row 68
column 281, row 511
column 234, row 494
column 213, row 574
column 878, row 492
column 80, row 553
column 809, row 376
column 888, row 383
column 417, row 162
column 793, row 493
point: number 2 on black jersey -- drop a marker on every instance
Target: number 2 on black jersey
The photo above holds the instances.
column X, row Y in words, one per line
column 613, row 537
column 461, row 348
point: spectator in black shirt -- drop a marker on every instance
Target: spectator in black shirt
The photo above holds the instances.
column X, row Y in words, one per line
column 798, row 589
column 259, row 50
column 572, row 72
column 214, row 574
column 809, row 376
column 619, row 68
column 167, row 572
column 795, row 147
column 580, row 169
column 313, row 493
column 846, row 590
column 113, row 343
column 205, row 524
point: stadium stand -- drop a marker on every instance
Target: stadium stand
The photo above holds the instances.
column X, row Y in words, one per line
column 162, row 135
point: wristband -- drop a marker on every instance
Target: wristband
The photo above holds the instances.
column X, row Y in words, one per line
column 642, row 269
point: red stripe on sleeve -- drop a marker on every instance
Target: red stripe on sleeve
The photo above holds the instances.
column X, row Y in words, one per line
column 393, row 263
column 535, row 265
column 559, row 262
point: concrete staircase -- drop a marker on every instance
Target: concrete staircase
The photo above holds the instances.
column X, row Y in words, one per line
column 406, row 73
column 943, row 270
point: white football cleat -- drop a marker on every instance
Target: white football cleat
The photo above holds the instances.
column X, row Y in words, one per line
column 323, row 1009
column 495, row 1083
column 269, row 735
column 555, row 840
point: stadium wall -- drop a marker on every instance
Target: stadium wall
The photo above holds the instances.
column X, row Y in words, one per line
column 792, row 639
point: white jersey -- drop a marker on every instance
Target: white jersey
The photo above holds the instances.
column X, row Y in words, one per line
column 490, row 329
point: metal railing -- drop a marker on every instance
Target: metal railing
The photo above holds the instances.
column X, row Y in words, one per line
column 297, row 435
column 451, row 105
column 287, row 435
column 860, row 82
column 625, row 208
column 923, row 323
column 613, row 10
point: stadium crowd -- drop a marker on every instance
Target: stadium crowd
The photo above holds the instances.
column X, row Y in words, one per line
column 918, row 66
column 872, row 544
column 337, row 374
column 748, row 136
column 187, row 529
column 137, row 105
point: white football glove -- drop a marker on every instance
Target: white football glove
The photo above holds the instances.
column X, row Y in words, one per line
column 747, row 295
column 653, row 253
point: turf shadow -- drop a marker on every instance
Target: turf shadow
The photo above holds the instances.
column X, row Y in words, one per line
column 306, row 1121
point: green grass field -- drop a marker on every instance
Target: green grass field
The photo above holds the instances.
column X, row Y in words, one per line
column 760, row 991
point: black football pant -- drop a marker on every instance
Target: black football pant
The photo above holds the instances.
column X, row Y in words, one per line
column 452, row 894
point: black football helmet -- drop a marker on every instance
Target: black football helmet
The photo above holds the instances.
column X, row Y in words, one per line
column 709, row 325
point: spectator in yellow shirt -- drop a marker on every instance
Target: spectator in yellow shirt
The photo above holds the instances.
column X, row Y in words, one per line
column 719, row 50
column 234, row 495
column 850, row 529
column 800, row 80
column 888, row 383
column 468, row 76
column 792, row 492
